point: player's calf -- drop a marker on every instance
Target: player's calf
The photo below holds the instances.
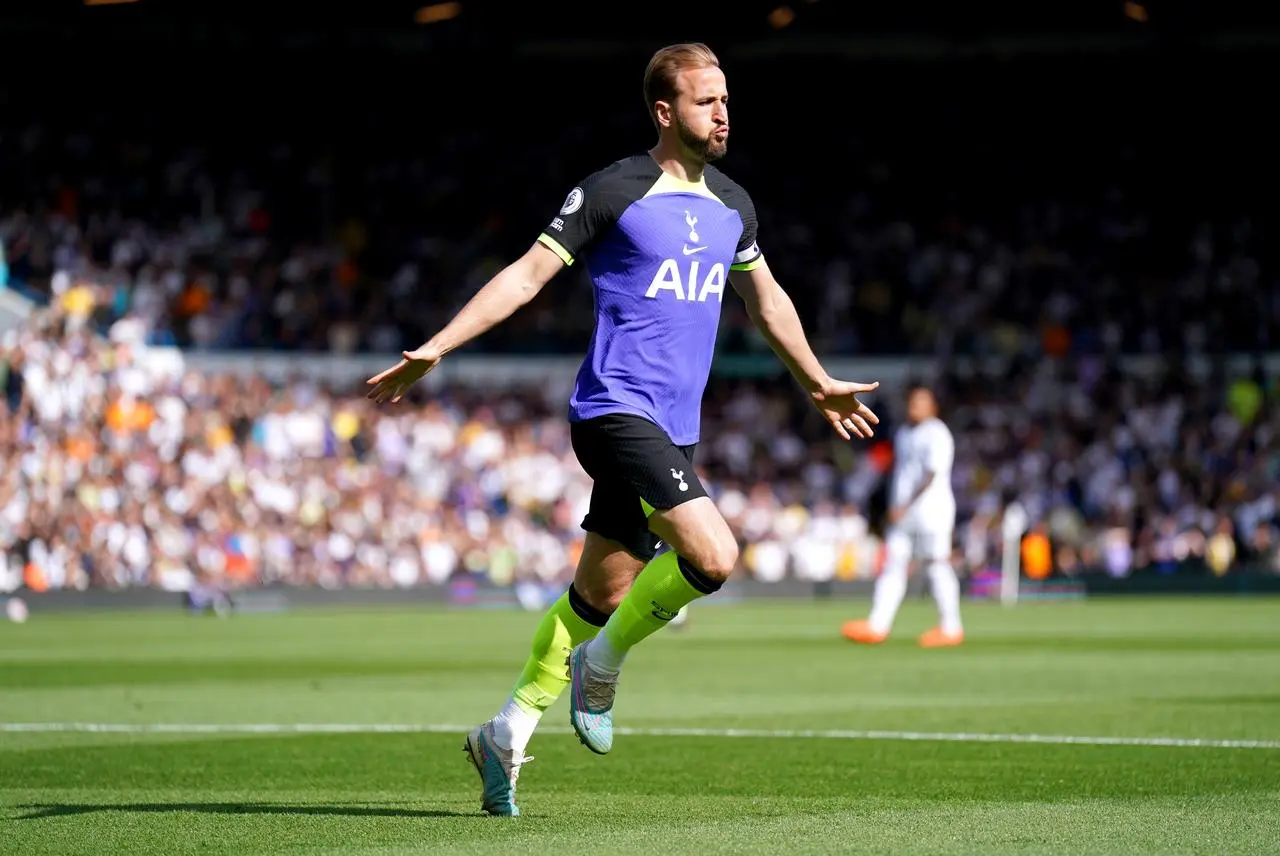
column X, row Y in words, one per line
column 702, row 557
column 946, row 592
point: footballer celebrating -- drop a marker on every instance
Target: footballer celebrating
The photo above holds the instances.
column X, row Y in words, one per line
column 662, row 233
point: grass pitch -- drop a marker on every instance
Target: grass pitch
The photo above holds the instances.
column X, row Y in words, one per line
column 756, row 730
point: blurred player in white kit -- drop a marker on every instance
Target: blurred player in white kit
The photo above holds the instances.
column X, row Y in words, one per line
column 922, row 521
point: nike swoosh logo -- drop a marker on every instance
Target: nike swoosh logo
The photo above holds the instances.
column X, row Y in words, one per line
column 688, row 250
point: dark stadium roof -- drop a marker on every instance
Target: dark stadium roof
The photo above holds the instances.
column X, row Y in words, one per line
column 712, row 19
column 114, row 36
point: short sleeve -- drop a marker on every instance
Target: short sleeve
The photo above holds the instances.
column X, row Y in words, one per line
column 940, row 450
column 748, row 254
column 587, row 213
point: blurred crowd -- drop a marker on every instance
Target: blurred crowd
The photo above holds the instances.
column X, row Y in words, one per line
column 1052, row 276
column 1152, row 470
column 121, row 471
column 940, row 224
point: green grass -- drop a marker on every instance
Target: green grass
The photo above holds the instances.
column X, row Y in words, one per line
column 1207, row 669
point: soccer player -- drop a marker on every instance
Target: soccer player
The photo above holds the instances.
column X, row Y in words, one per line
column 662, row 233
column 922, row 518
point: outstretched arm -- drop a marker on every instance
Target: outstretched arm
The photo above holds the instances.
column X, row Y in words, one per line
column 588, row 211
column 775, row 315
column 772, row 311
column 513, row 287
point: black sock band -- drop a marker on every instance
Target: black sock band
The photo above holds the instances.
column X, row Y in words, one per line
column 697, row 578
column 584, row 610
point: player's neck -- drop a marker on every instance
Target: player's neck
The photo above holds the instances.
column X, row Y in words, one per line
column 677, row 162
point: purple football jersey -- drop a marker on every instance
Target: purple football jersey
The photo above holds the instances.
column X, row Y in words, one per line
column 659, row 250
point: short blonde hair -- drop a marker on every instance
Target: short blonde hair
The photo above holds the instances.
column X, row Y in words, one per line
column 660, row 76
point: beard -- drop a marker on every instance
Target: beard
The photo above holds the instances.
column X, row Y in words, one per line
column 708, row 148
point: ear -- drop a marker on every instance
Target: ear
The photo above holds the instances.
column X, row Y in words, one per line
column 662, row 110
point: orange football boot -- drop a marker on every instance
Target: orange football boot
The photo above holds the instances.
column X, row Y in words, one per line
column 938, row 638
column 860, row 631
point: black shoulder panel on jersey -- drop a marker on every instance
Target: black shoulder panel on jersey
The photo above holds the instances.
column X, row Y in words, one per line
column 734, row 196
column 595, row 204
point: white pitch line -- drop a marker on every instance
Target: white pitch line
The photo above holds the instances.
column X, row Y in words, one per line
column 766, row 734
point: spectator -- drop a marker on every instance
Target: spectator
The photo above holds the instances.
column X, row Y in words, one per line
column 119, row 472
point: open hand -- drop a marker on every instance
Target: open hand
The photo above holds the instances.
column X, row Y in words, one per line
column 838, row 403
column 392, row 384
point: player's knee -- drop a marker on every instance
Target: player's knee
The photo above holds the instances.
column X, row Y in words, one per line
column 604, row 574
column 600, row 593
column 719, row 557
column 941, row 568
column 701, row 536
column 897, row 551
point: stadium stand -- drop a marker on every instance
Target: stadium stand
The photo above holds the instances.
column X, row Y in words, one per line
column 969, row 220
column 119, row 473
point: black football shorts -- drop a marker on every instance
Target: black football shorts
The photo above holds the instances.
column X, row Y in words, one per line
column 636, row 469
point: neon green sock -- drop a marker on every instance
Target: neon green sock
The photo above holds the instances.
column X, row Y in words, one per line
column 661, row 590
column 546, row 672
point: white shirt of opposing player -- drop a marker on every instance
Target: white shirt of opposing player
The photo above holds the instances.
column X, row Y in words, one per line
column 919, row 450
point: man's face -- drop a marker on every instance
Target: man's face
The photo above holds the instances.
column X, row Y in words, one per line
column 920, row 406
column 700, row 114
